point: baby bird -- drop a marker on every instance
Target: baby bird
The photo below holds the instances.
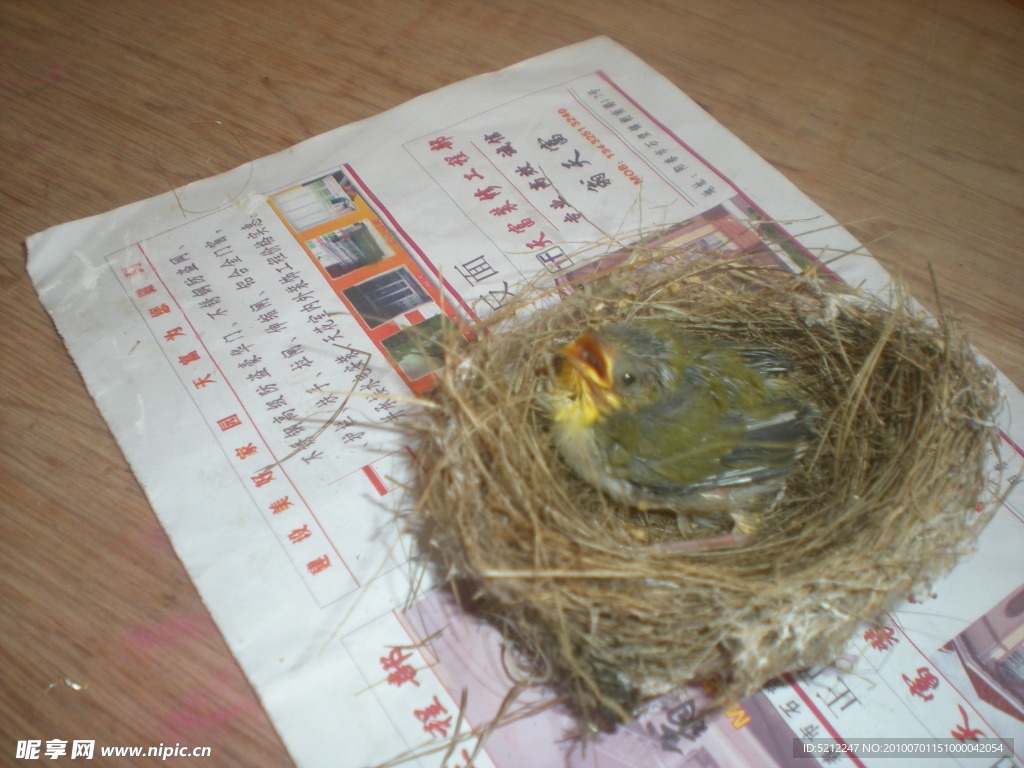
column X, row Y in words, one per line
column 659, row 419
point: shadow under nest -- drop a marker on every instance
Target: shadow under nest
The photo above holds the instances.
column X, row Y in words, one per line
column 886, row 502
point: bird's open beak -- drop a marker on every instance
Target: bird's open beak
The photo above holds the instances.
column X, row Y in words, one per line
column 586, row 367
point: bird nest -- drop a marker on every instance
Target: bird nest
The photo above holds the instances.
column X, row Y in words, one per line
column 596, row 596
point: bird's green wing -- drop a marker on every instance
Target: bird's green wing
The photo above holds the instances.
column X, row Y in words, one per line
column 695, row 441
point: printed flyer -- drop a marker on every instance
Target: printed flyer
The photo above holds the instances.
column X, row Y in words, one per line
column 256, row 339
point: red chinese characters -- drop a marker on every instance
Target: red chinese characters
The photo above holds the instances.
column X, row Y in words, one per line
column 520, row 227
column 504, row 209
column 399, row 671
column 246, row 451
column 229, row 422
column 540, row 242
column 487, row 193
column 431, row 717
column 440, row 143
column 881, row 638
column 263, row 478
column 963, row 731
column 925, row 681
column 280, row 505
column 319, row 565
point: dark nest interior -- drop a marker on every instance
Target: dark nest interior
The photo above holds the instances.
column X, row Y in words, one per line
column 586, row 589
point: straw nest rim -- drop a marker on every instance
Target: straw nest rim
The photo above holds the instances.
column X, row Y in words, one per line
column 585, row 589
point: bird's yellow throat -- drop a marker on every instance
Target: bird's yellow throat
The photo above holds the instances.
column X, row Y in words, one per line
column 581, row 401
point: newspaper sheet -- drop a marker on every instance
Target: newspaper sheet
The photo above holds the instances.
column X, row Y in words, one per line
column 253, row 338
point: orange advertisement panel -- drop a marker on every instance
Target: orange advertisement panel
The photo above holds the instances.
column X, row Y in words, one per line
column 366, row 265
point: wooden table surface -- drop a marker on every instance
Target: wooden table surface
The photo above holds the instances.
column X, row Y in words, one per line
column 902, row 118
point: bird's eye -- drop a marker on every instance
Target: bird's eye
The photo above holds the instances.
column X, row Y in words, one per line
column 628, row 378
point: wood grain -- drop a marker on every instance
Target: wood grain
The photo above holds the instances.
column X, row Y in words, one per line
column 903, row 119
